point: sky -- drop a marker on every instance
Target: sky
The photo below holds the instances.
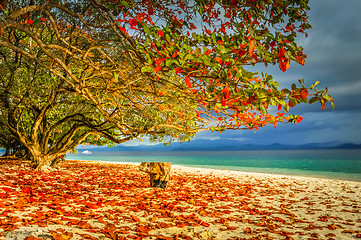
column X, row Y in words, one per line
column 333, row 49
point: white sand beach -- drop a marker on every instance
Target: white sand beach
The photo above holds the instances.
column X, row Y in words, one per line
column 94, row 200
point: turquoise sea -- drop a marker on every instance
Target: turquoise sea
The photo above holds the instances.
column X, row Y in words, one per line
column 335, row 164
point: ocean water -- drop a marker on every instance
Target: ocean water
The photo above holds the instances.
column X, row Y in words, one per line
column 335, row 164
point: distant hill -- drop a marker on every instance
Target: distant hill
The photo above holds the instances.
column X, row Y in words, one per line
column 225, row 145
column 219, row 145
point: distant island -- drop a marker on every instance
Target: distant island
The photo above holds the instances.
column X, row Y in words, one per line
column 224, row 145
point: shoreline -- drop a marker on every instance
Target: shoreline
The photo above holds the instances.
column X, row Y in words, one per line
column 210, row 167
column 102, row 200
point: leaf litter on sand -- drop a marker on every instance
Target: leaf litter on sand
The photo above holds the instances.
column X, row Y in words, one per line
column 93, row 200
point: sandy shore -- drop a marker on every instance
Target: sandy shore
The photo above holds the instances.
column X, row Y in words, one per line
column 89, row 200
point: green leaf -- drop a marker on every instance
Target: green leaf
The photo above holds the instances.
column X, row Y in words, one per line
column 222, row 49
column 314, row 85
column 198, row 51
column 313, row 100
column 274, row 83
column 328, row 98
column 147, row 69
column 302, row 82
column 146, row 28
column 286, row 108
column 269, row 78
column 125, row 4
column 286, row 91
column 169, row 62
column 293, row 86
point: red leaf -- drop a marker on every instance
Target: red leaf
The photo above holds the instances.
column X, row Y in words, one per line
column 251, row 99
column 291, row 104
column 223, row 102
column 29, row 22
column 43, row 19
column 6, row 189
column 133, row 22
column 208, row 52
column 281, row 52
column 208, row 31
column 159, row 61
column 226, row 91
column 205, row 224
column 188, row 82
column 160, row 33
column 304, row 93
column 284, row 64
column 300, row 60
column 122, row 29
column 157, row 69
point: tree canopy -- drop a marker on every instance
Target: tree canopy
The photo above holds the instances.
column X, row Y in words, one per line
column 165, row 69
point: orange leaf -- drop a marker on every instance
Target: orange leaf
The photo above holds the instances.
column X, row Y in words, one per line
column 135, row 218
column 31, row 238
column 247, row 230
column 59, row 236
column 219, row 60
column 251, row 48
column 176, row 52
column 208, row 52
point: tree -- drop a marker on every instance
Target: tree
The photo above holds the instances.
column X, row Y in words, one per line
column 168, row 69
column 40, row 115
column 8, row 141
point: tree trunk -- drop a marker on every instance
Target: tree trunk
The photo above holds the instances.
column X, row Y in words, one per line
column 56, row 161
column 41, row 161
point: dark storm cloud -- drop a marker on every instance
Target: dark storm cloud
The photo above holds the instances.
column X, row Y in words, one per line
column 334, row 58
column 334, row 50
